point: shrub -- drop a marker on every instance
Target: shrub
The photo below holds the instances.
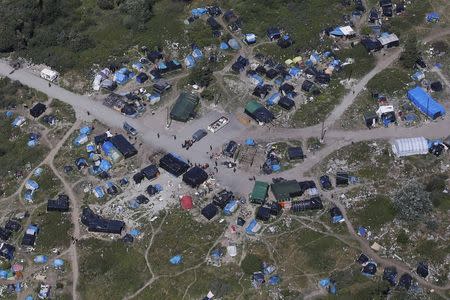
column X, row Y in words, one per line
column 105, row 4
column 412, row 202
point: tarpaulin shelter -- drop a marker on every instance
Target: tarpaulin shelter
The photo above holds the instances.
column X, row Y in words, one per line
column 253, row 227
column 189, row 61
column 173, row 164
column 176, row 260
column 210, row 211
column 184, row 107
column 40, row 259
column 425, row 103
column 410, row 146
column 234, row 44
column 224, row 46
column 186, row 202
column 259, row 193
column 433, row 17
column 230, row 208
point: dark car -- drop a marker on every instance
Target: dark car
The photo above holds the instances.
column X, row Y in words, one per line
column 325, row 182
column 199, row 134
column 129, row 129
column 230, row 149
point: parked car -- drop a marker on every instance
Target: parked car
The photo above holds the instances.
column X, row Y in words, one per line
column 130, row 129
column 325, row 182
column 199, row 134
column 218, row 124
column 230, row 149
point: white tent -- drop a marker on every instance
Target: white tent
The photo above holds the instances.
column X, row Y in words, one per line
column 410, row 146
column 49, row 74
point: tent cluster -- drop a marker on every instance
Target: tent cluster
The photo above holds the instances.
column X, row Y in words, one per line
column 265, row 275
column 225, row 201
column 418, row 146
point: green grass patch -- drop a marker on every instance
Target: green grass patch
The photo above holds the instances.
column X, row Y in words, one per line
column 432, row 250
column 390, row 81
column 109, row 269
column 314, row 112
column 54, row 230
column 64, row 112
column 376, row 212
column 364, row 62
column 13, row 93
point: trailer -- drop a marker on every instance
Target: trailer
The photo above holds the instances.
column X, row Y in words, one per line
column 218, row 124
column 49, row 74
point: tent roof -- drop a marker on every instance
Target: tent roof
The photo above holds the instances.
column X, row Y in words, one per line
column 410, row 146
column 252, row 106
column 284, row 190
column 425, row 103
column 260, row 190
column 184, row 107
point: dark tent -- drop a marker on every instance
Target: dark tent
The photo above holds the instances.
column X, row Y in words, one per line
column 154, row 56
column 7, row 251
column 101, row 138
column 258, row 112
column 295, row 153
column 322, row 78
column 370, row 119
column 128, row 238
column 371, row 45
column 307, row 86
column 240, row 221
column 141, row 77
column 335, row 212
column 273, row 33
column 96, row 223
column 286, row 103
column 400, row 8
column 286, row 88
column 260, row 70
column 129, row 110
column 61, row 204
column 141, row 199
column 213, row 23
column 325, row 182
column 310, row 204
column 342, row 179
column 152, row 190
column 261, row 91
column 272, row 73
column 436, row 86
column 306, row 185
column 370, row 269
column 150, row 172
column 124, row 146
column 286, row 190
column 422, row 269
column 28, row 240
column 210, row 211
column 4, row 234
column 13, row 225
column 222, row 198
column 184, row 107
column 38, row 110
column 285, row 42
column 263, row 213
column 195, row 177
column 362, row 259
column 405, row 281
column 390, row 274
column 174, row 165
column 138, row 177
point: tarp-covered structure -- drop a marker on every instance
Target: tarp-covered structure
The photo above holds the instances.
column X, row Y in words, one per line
column 425, row 103
column 195, row 177
column 173, row 164
column 410, row 146
column 259, row 193
column 258, row 112
column 184, row 107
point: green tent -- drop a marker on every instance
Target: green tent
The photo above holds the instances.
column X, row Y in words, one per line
column 184, row 107
column 286, row 190
column 252, row 106
column 259, row 193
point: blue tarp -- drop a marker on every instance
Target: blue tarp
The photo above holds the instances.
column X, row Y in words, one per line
column 189, row 61
column 294, row 72
column 29, row 297
column 276, row 168
column 200, row 11
column 230, row 208
column 258, row 79
column 250, row 142
column 176, row 260
column 337, row 32
column 135, row 232
column 38, row 171
column 31, row 184
column 18, row 121
column 274, row 280
column 224, row 46
column 234, row 44
column 32, row 143
column 105, row 165
column 40, row 259
column 197, row 54
column 9, row 114
column 28, row 196
column 137, row 65
column 58, row 263
column 362, row 231
column 133, row 204
column 337, row 219
column 433, row 17
column 425, row 103
column 272, row 100
column 90, row 148
column 98, row 192
column 251, row 227
column 3, row 274
column 162, row 65
column 108, row 148
column 250, row 38
column 81, row 139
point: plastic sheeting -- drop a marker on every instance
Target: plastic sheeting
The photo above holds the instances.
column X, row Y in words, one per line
column 410, row 146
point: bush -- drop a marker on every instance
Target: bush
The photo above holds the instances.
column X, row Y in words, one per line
column 250, row 264
column 410, row 54
column 201, row 75
column 402, row 238
column 105, row 4
column 412, row 202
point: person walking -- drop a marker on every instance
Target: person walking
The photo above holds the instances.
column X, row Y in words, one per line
column 157, row 135
column 210, row 147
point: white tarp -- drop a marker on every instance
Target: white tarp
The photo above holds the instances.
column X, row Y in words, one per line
column 384, row 109
column 49, row 74
column 410, row 146
column 347, row 30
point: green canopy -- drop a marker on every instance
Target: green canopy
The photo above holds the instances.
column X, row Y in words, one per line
column 184, row 107
column 259, row 193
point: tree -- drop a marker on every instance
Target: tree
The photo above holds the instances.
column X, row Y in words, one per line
column 251, row 263
column 410, row 54
column 7, row 38
column 201, row 75
column 105, row 4
column 412, row 202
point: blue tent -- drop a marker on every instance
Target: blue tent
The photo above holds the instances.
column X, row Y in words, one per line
column 40, row 259
column 133, row 204
column 135, row 232
column 433, row 17
column 274, row 99
column 250, row 142
column 274, row 280
column 31, row 185
column 108, row 148
column 230, row 208
column 28, row 196
column 425, row 103
column 58, row 263
column 9, row 114
column 105, row 165
column 224, row 46
column 189, row 61
column 98, row 192
column 197, row 54
column 197, row 12
column 3, row 274
column 29, row 297
column 162, row 65
column 176, row 260
column 294, row 72
column 81, row 139
column 253, row 227
column 32, row 143
column 337, row 32
column 258, row 79
column 234, row 44
column 90, row 148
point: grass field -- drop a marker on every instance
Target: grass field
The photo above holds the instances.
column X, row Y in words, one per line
column 373, row 213
column 391, row 81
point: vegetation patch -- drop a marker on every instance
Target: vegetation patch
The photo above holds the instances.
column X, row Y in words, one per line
column 363, row 64
column 390, row 81
column 376, row 212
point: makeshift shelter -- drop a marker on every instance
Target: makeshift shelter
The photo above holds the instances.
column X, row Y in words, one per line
column 96, row 223
column 209, row 211
column 111, row 151
column 234, row 44
column 436, row 86
column 258, row 112
column 173, row 164
column 49, row 74
column 286, row 190
column 342, row 179
column 150, row 172
column 123, row 146
column 184, row 107
column 390, row 274
column 250, row 38
column 343, row 31
column 371, row 45
column 405, row 281
column 410, row 146
column 389, row 40
column 259, row 193
column 38, row 110
column 273, row 33
column 370, row 119
column 309, row 204
column 273, row 99
column 263, row 213
column 433, row 17
column 230, row 208
column 295, row 153
column 61, row 204
column 141, row 77
column 7, row 251
column 253, row 227
column 422, row 269
column 186, row 202
column 425, row 103
column 195, row 177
